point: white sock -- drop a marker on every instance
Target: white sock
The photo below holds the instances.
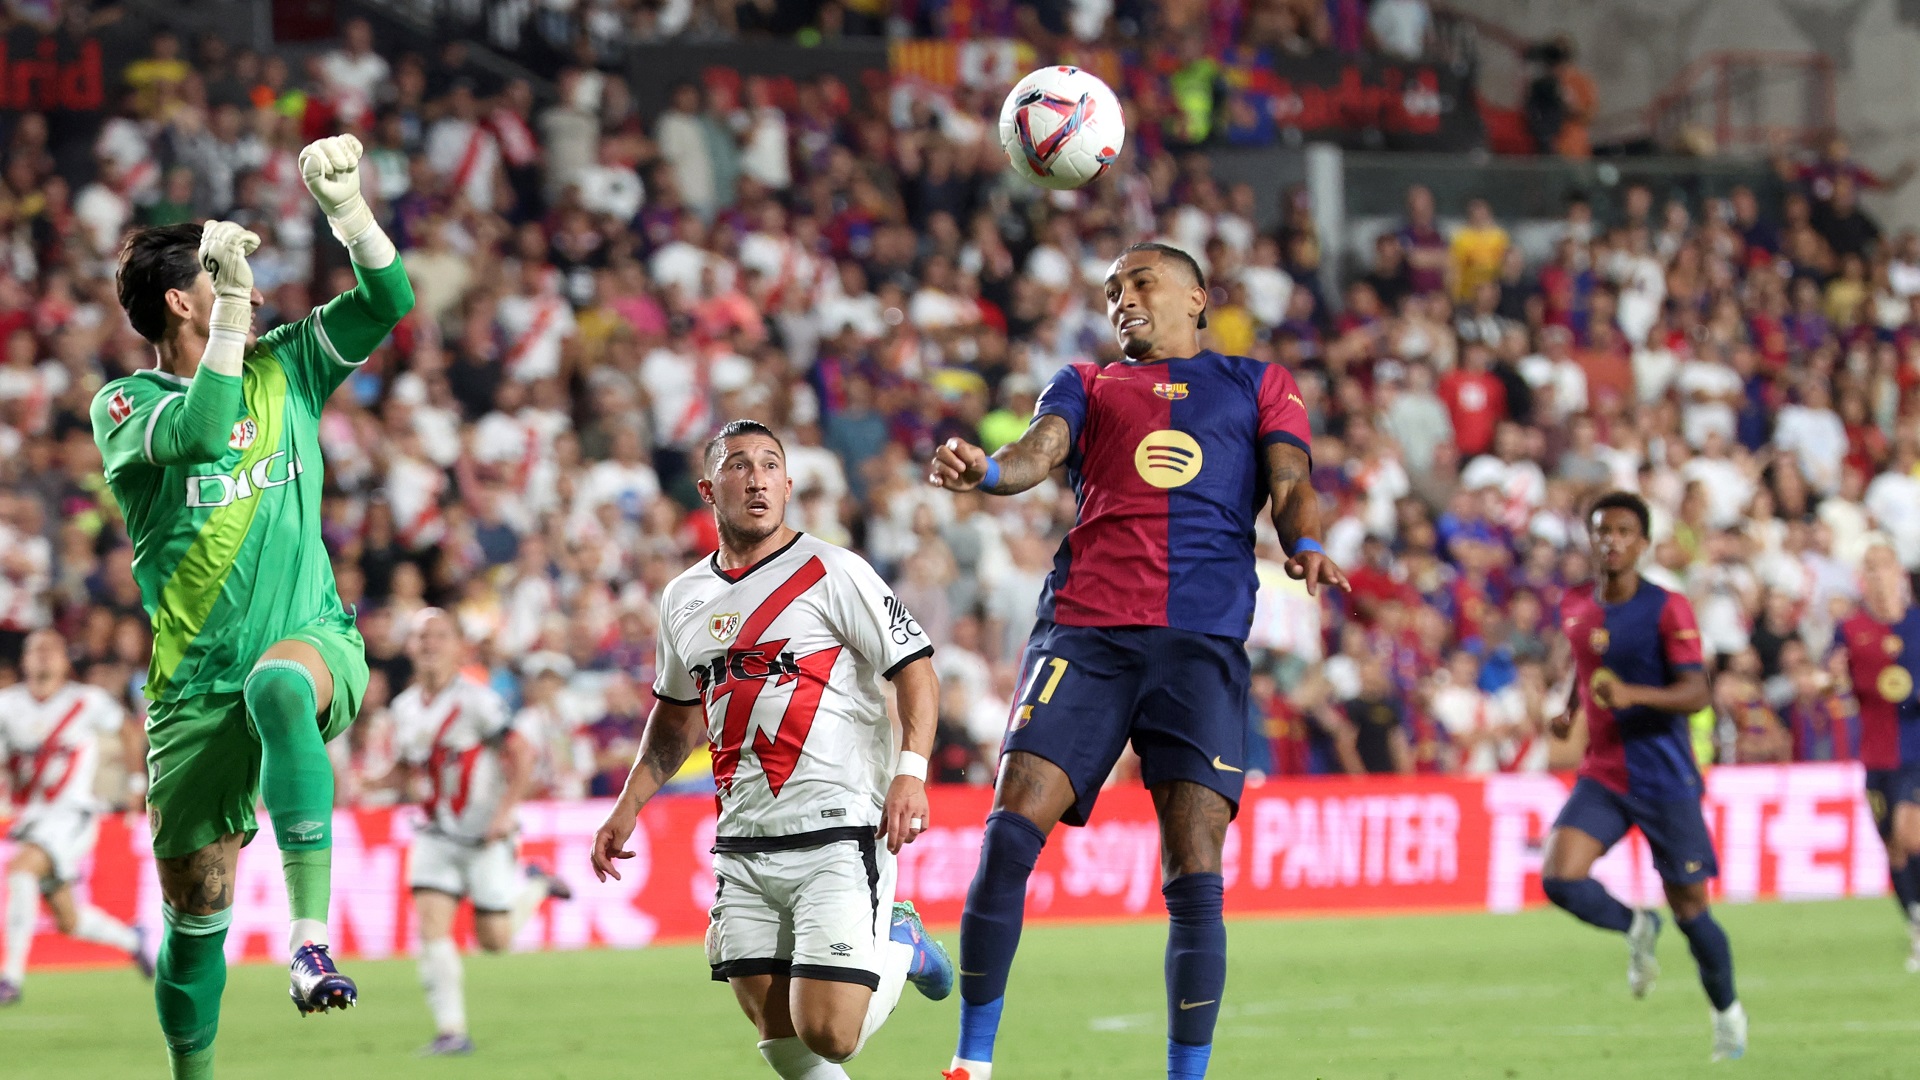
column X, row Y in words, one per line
column 23, row 908
column 526, row 902
column 976, row 1070
column 896, row 959
column 441, row 977
column 97, row 925
column 305, row 931
column 793, row 1061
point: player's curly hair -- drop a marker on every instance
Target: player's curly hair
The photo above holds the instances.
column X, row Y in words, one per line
column 1169, row 251
column 717, row 446
column 152, row 261
column 1628, row 501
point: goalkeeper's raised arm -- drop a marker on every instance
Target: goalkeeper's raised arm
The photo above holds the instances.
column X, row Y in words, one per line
column 355, row 323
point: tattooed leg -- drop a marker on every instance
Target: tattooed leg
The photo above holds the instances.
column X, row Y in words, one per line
column 192, row 968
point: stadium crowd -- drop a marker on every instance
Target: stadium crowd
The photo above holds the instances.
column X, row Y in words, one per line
column 598, row 288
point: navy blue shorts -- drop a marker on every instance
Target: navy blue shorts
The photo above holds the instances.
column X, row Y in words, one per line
column 1181, row 697
column 1675, row 829
column 1888, row 788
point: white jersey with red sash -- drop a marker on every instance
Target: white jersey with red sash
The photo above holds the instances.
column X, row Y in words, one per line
column 457, row 737
column 787, row 659
column 52, row 747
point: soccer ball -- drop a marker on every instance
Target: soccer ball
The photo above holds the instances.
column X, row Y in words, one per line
column 1061, row 127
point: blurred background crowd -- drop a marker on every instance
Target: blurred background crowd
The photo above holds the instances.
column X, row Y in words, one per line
column 601, row 285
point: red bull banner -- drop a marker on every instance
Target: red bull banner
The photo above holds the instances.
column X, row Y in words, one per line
column 1299, row 847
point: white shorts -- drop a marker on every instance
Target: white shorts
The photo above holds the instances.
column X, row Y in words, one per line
column 66, row 834
column 487, row 874
column 816, row 912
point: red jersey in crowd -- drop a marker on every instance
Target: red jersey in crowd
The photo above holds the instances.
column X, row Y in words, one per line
column 1476, row 401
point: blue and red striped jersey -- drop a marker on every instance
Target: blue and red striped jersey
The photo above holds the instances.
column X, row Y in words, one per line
column 1168, row 468
column 1647, row 640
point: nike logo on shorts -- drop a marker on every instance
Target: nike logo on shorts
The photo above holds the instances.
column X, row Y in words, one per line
column 1223, row 767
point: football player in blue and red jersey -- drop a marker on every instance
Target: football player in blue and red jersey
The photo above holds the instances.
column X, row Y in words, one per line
column 1880, row 647
column 1143, row 624
column 1637, row 678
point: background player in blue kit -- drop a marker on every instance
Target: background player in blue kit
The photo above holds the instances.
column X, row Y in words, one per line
column 1142, row 626
column 1637, row 677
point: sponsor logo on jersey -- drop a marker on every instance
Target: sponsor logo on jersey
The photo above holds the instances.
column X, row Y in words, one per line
column 724, row 626
column 692, row 604
column 207, row 490
column 838, row 811
column 1895, row 683
column 1599, row 640
column 1172, row 391
column 244, row 433
column 1168, row 458
column 742, row 665
column 900, row 622
column 118, row 407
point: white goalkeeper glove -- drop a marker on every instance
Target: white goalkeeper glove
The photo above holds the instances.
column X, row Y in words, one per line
column 224, row 248
column 331, row 169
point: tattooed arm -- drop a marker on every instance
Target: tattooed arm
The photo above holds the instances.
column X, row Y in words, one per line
column 671, row 734
column 1296, row 515
column 961, row 466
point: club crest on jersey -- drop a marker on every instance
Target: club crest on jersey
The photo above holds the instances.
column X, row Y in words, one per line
column 244, row 433
column 118, row 407
column 1599, row 640
column 1172, row 391
column 724, row 626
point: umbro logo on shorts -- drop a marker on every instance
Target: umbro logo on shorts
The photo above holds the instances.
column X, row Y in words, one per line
column 840, row 948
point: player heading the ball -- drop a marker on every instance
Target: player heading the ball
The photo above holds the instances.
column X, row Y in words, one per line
column 213, row 455
column 774, row 652
column 1142, row 625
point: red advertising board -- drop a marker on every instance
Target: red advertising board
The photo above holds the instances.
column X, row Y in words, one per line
column 1303, row 847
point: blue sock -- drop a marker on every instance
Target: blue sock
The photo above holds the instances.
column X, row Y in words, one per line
column 1196, row 971
column 990, row 927
column 1906, row 886
column 1713, row 954
column 1187, row 1062
column 1590, row 902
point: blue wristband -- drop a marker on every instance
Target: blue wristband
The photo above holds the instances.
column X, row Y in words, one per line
column 1306, row 544
column 992, row 479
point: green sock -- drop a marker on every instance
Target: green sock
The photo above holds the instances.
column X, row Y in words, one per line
column 195, row 1066
column 296, row 780
column 309, row 882
column 188, row 979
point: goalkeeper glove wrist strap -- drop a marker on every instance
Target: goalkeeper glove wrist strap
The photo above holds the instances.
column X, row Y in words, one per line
column 366, row 242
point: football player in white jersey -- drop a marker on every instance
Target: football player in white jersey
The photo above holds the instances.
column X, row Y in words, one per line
column 458, row 737
column 50, row 728
column 773, row 651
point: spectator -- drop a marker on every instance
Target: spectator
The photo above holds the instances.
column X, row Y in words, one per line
column 354, row 73
column 1561, row 100
column 1379, row 718
column 1476, row 251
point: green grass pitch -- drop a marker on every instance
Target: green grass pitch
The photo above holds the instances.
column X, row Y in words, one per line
column 1502, row 997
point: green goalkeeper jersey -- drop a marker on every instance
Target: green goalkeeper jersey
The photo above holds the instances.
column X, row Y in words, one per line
column 227, row 552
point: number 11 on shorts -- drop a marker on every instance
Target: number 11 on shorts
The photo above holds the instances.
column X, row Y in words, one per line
column 1059, row 665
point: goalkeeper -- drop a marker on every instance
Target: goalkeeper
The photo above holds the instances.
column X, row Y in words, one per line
column 214, row 457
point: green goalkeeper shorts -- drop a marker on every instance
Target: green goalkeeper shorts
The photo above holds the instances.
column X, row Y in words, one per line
column 203, row 754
